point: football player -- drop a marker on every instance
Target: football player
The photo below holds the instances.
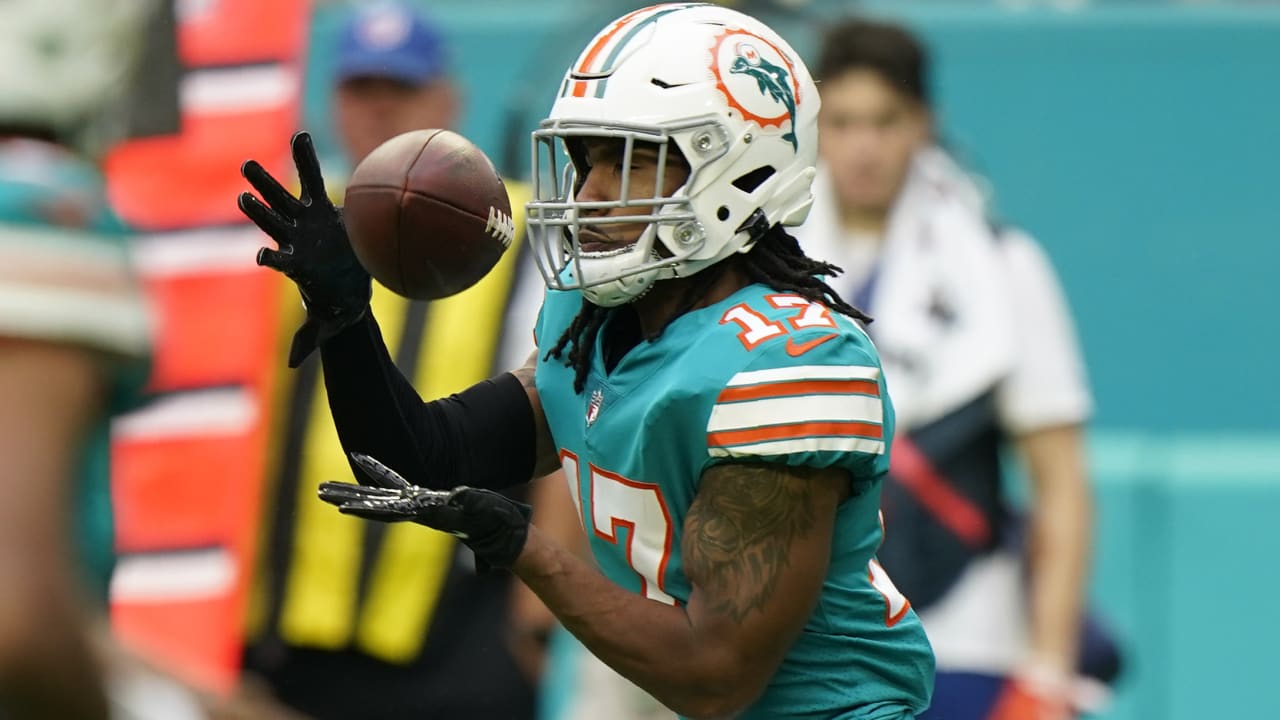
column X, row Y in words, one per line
column 718, row 410
column 73, row 343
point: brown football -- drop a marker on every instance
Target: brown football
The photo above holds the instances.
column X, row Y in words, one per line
column 427, row 214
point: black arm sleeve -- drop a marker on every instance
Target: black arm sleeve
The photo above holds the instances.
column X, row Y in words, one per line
column 483, row 436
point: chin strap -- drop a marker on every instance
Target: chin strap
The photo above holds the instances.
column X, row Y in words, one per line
column 613, row 293
column 756, row 226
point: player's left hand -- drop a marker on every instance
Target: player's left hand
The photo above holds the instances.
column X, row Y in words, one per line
column 495, row 527
column 314, row 250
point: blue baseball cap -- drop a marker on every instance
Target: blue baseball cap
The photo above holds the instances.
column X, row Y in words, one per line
column 390, row 40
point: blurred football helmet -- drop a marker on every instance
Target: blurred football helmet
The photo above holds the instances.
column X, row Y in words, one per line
column 722, row 89
column 61, row 60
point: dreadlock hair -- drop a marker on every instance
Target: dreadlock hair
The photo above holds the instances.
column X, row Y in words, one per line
column 775, row 260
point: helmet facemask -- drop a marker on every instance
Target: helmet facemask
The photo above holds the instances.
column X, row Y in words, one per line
column 560, row 224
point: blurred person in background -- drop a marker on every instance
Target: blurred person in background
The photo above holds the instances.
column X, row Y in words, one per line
column 73, row 346
column 404, row 626
column 979, row 349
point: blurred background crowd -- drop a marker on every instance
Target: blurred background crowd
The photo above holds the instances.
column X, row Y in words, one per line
column 1119, row 154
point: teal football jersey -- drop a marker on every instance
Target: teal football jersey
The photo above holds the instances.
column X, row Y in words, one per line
column 761, row 376
column 65, row 277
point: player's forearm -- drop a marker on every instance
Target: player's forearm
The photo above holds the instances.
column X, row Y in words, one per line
column 1060, row 540
column 46, row 667
column 371, row 401
column 485, row 436
column 52, row 394
column 658, row 647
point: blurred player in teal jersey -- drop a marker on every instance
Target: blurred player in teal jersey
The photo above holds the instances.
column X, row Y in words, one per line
column 73, row 339
column 718, row 411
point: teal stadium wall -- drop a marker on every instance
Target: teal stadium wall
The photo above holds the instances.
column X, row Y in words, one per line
column 1139, row 141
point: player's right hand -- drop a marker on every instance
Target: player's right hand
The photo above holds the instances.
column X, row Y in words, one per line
column 494, row 526
column 313, row 251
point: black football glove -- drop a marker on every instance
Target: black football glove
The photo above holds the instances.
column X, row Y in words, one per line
column 494, row 526
column 314, row 250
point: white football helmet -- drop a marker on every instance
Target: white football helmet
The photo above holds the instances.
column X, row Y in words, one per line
column 723, row 89
column 61, row 60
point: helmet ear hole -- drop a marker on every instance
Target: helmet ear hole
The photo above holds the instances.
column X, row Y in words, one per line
column 722, row 213
column 748, row 182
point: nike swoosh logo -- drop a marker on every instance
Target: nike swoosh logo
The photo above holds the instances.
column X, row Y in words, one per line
column 795, row 349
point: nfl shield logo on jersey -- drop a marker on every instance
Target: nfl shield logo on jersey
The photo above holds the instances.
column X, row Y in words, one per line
column 593, row 408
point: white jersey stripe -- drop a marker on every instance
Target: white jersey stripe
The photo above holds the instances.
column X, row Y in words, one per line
column 790, row 410
column 802, row 445
column 102, row 320
column 172, row 576
column 806, row 372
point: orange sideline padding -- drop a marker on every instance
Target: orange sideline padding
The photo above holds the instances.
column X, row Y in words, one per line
column 186, row 637
column 184, row 492
column 183, row 487
column 193, row 179
column 214, row 329
column 239, row 31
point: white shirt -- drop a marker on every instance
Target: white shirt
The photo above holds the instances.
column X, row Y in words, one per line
column 980, row 625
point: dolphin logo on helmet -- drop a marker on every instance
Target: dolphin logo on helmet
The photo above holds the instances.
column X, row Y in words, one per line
column 773, row 81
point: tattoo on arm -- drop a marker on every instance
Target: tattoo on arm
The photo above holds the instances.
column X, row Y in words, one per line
column 526, row 372
column 739, row 532
column 525, row 376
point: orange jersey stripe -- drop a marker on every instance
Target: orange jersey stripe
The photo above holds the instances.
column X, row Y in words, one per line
column 796, row 430
column 799, row 387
